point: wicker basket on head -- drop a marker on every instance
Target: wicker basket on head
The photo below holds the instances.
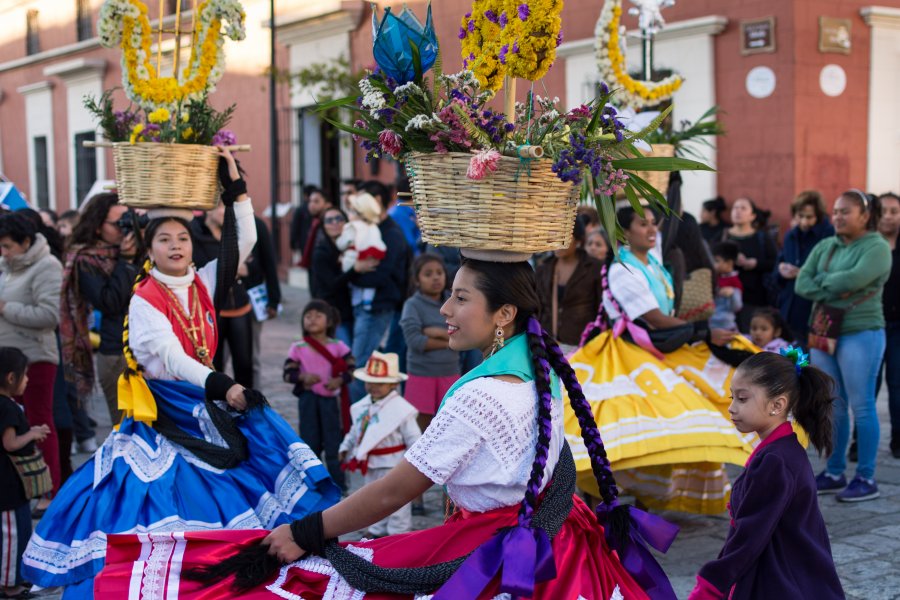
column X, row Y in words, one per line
column 658, row 179
column 152, row 174
column 514, row 209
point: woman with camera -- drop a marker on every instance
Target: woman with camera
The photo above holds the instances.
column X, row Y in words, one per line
column 99, row 272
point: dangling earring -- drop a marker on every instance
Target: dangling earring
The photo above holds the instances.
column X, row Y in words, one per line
column 498, row 340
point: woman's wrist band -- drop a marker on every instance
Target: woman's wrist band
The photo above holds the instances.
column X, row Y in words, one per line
column 309, row 533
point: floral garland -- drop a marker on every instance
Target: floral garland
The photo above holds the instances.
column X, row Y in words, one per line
column 510, row 37
column 125, row 23
column 611, row 60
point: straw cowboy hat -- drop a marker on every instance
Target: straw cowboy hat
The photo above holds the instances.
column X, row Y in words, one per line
column 381, row 368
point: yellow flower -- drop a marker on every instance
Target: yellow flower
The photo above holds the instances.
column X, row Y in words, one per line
column 185, row 117
column 160, row 115
column 187, row 134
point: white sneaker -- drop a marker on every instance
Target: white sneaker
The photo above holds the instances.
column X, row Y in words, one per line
column 88, row 446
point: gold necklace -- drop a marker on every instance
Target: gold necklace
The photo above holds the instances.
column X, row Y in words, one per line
column 194, row 322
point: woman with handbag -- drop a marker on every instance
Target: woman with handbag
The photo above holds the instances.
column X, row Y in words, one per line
column 668, row 424
column 196, row 450
column 844, row 276
column 29, row 313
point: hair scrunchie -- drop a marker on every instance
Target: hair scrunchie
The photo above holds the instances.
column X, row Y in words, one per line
column 796, row 356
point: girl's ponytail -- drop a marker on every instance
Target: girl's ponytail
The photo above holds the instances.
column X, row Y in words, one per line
column 810, row 391
column 813, row 407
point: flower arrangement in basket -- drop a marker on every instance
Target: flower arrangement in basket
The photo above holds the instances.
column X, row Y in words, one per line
column 482, row 178
column 164, row 142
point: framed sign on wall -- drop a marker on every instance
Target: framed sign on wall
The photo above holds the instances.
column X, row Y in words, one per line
column 758, row 35
column 834, row 35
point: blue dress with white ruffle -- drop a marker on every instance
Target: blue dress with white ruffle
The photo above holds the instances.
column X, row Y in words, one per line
column 140, row 481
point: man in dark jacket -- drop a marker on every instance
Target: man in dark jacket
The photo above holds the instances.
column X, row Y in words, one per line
column 389, row 278
column 233, row 316
column 262, row 274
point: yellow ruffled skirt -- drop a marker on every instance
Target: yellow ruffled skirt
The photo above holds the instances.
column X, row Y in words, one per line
column 664, row 424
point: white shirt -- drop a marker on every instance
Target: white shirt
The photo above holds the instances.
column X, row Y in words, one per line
column 631, row 290
column 482, row 443
column 406, row 433
column 151, row 335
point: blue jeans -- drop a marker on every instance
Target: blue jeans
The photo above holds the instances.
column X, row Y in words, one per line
column 854, row 368
column 891, row 371
column 369, row 328
column 344, row 332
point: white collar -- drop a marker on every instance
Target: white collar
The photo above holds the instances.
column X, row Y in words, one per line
column 174, row 281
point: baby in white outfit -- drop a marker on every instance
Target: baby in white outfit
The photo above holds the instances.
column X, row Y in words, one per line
column 361, row 239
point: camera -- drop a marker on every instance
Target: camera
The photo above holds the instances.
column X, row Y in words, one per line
column 131, row 221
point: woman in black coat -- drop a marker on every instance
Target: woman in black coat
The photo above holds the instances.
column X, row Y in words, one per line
column 329, row 282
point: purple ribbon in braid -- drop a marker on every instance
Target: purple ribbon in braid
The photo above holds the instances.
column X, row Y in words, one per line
column 628, row 530
column 521, row 554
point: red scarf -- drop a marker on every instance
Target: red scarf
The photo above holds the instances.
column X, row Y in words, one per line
column 151, row 290
column 338, row 368
column 306, row 259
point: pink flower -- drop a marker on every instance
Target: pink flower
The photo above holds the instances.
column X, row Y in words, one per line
column 483, row 162
column 390, row 142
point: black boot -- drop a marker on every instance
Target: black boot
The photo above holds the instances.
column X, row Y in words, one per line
column 895, row 445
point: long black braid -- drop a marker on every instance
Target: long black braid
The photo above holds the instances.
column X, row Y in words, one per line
column 544, row 423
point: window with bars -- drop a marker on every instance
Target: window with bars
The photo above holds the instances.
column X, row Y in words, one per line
column 85, row 165
column 83, row 20
column 41, row 172
column 32, row 41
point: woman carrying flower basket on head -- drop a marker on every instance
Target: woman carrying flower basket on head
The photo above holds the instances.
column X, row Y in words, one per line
column 666, row 439
column 196, row 450
column 497, row 438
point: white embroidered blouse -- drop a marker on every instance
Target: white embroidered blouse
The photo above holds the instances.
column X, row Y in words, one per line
column 482, row 443
column 150, row 333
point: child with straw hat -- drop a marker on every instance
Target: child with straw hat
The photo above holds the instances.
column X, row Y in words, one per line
column 384, row 426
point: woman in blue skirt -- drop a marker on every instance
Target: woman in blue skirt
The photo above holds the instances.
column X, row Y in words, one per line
column 196, row 450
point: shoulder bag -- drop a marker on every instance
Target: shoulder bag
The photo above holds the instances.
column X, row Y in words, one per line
column 33, row 472
column 826, row 321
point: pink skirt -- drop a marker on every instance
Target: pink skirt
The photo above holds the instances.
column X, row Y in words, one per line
column 426, row 393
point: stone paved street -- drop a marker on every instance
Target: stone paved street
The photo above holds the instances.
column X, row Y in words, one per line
column 865, row 536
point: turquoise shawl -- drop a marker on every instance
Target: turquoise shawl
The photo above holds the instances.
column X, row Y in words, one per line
column 513, row 359
column 660, row 286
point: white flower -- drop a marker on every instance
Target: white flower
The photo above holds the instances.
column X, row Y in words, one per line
column 420, row 122
column 408, row 89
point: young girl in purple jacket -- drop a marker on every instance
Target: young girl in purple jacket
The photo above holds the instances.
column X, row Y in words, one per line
column 774, row 511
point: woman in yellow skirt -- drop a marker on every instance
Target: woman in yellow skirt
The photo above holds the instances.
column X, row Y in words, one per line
column 664, row 417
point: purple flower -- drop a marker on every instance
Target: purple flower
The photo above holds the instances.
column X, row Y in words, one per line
column 524, row 11
column 468, row 14
column 462, row 34
column 515, row 47
column 224, row 137
column 471, row 26
column 604, row 89
column 503, row 20
column 490, row 16
column 503, row 52
column 559, row 38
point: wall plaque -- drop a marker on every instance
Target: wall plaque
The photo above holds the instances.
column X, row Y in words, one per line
column 834, row 35
column 758, row 35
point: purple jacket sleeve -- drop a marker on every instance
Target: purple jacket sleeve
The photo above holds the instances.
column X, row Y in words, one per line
column 768, row 491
